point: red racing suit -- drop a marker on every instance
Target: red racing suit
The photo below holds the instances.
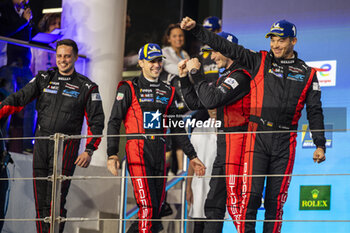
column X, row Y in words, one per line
column 230, row 95
column 279, row 90
column 146, row 107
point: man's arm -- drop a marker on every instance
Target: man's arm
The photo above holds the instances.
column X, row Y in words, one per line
column 11, row 25
column 95, row 121
column 119, row 110
column 316, row 119
column 16, row 101
column 246, row 57
column 94, row 117
column 231, row 88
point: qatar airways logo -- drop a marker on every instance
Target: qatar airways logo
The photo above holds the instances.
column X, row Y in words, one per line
column 155, row 120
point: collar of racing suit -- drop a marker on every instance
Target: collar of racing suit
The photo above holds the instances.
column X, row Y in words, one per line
column 146, row 83
column 281, row 61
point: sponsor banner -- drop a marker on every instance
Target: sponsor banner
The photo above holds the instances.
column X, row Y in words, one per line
column 326, row 72
column 306, row 136
column 315, row 197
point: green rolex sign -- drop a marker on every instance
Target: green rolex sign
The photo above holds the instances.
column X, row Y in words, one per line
column 315, row 197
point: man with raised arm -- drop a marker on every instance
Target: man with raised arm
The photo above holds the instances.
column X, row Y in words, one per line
column 281, row 85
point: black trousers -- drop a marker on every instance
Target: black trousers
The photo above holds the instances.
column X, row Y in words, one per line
column 267, row 154
column 42, row 167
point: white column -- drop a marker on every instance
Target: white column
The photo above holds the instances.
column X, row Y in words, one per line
column 98, row 27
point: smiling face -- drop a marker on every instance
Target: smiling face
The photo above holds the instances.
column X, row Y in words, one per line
column 151, row 69
column 220, row 60
column 282, row 47
column 65, row 59
column 176, row 38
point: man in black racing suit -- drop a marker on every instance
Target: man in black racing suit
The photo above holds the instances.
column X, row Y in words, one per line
column 281, row 85
column 64, row 97
column 146, row 105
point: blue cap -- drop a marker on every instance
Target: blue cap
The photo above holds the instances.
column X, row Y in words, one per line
column 212, row 23
column 228, row 36
column 150, row 51
column 283, row 29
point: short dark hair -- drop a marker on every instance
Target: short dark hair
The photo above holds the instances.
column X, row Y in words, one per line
column 70, row 43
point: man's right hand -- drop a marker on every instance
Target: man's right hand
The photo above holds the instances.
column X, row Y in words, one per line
column 187, row 23
column 182, row 68
column 193, row 64
column 113, row 164
column 27, row 14
column 198, row 167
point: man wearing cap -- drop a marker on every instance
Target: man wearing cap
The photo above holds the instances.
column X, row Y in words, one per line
column 230, row 95
column 281, row 85
column 145, row 104
column 210, row 69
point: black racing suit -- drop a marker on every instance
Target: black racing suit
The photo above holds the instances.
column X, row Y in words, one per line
column 146, row 108
column 279, row 90
column 62, row 102
column 230, row 95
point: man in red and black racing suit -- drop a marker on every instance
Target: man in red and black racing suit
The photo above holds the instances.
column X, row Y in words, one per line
column 145, row 104
column 281, row 85
column 64, row 97
column 230, row 95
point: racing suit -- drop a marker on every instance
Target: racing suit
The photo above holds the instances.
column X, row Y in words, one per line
column 279, row 90
column 146, row 108
column 230, row 95
column 62, row 102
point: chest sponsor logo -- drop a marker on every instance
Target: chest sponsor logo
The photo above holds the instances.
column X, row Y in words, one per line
column 146, row 90
column 154, row 85
column 152, row 120
column 95, row 97
column 70, row 93
column 306, row 136
column 162, row 99
column 120, row 96
column 315, row 197
column 64, row 78
column 160, row 92
column 295, row 69
column 50, row 91
column 71, row 86
column 146, row 95
column 149, row 100
column 290, row 61
column 296, row 77
column 279, row 75
column 326, row 72
column 52, row 87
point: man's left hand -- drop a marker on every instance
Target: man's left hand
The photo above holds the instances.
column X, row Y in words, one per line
column 198, row 167
column 319, row 155
column 83, row 160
